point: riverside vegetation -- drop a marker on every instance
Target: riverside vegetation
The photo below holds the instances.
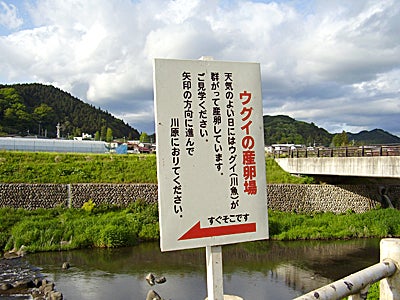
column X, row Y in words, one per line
column 111, row 226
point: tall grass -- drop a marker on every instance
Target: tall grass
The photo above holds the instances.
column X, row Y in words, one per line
column 62, row 229
column 111, row 226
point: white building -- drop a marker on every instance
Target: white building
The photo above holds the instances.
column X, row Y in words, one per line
column 52, row 145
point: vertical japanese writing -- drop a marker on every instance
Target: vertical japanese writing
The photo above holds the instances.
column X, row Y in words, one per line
column 231, row 141
column 201, row 96
column 249, row 164
column 176, row 166
column 217, row 120
column 188, row 112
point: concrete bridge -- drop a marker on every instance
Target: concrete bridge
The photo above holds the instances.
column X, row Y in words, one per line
column 376, row 162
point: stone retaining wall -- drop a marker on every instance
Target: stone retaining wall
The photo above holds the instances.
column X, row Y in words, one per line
column 284, row 197
column 33, row 196
column 118, row 194
column 316, row 198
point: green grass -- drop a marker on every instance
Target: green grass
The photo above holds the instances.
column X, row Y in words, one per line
column 374, row 223
column 41, row 167
column 28, row 167
column 63, row 229
column 111, row 226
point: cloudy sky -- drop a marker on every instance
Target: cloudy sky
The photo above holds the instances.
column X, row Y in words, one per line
column 335, row 63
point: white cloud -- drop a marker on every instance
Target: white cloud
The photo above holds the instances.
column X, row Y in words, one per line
column 385, row 83
column 9, row 16
column 335, row 63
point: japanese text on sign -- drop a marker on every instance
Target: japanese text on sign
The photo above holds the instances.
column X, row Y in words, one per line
column 210, row 153
column 249, row 164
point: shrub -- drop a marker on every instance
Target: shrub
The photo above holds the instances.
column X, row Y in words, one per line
column 112, row 236
column 88, row 206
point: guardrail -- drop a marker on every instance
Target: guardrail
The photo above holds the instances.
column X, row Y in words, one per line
column 356, row 285
column 362, row 151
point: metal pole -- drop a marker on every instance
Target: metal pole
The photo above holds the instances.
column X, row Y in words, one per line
column 215, row 286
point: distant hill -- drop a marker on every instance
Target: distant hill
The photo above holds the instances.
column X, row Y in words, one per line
column 36, row 109
column 283, row 129
column 373, row 137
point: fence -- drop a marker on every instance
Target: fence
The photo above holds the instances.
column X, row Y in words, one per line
column 362, row 151
column 356, row 285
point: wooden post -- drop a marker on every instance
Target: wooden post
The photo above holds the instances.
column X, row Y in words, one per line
column 390, row 286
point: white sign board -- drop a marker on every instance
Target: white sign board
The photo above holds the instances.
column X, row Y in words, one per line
column 210, row 153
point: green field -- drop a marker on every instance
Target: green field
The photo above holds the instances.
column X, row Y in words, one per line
column 39, row 167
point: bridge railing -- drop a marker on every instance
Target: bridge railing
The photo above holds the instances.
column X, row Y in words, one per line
column 362, row 151
column 356, row 285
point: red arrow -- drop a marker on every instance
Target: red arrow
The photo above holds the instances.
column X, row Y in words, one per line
column 197, row 232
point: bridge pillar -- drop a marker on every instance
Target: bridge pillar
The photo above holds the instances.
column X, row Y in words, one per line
column 390, row 286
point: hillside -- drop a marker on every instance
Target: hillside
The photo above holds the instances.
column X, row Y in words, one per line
column 283, row 129
column 376, row 136
column 36, row 109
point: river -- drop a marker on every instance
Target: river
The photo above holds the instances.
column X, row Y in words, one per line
column 255, row 270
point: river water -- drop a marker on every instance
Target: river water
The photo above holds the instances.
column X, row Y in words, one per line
column 255, row 270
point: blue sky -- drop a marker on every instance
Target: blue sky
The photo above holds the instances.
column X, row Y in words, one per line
column 335, row 63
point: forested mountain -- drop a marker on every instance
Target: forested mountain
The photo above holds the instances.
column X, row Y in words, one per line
column 36, row 109
column 376, row 136
column 283, row 129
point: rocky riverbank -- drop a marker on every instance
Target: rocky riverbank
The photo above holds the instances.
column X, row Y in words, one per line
column 20, row 280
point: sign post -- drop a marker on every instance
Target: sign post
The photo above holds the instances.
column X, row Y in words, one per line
column 210, row 158
column 215, row 285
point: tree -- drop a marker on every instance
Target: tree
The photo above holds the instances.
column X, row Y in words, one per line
column 43, row 112
column 67, row 128
column 109, row 135
column 144, row 138
column 97, row 136
column 340, row 139
column 14, row 116
column 77, row 131
column 103, row 133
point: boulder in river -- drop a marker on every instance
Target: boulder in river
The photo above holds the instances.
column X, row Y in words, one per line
column 152, row 295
